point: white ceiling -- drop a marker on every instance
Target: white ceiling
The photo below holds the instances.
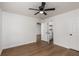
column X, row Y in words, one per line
column 22, row 8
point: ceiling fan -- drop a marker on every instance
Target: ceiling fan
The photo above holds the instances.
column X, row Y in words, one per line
column 41, row 9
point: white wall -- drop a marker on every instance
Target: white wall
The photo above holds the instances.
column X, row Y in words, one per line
column 18, row 29
column 0, row 31
column 39, row 29
column 63, row 25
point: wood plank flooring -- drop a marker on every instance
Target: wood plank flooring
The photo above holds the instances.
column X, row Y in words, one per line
column 39, row 49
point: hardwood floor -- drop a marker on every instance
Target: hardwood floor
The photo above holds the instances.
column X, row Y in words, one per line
column 39, row 49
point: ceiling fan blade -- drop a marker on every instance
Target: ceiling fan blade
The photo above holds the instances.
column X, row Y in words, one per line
column 50, row 9
column 45, row 13
column 33, row 9
column 36, row 13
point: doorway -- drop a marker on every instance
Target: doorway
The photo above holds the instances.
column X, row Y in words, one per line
column 50, row 32
column 47, row 32
column 38, row 33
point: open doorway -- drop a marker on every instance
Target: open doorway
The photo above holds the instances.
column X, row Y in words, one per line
column 38, row 32
column 47, row 32
column 50, row 32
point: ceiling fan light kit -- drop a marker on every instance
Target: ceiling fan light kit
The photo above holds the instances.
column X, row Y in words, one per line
column 41, row 12
column 42, row 9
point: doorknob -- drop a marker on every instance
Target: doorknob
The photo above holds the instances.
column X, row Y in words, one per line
column 70, row 34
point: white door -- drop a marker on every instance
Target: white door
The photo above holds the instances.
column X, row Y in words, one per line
column 77, row 35
column 71, row 34
column 65, row 32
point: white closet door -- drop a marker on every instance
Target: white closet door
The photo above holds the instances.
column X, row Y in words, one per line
column 65, row 32
column 72, row 34
column 77, row 34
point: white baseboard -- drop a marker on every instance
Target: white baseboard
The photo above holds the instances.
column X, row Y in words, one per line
column 15, row 45
column 62, row 45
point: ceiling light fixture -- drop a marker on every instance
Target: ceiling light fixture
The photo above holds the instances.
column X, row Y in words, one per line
column 41, row 12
